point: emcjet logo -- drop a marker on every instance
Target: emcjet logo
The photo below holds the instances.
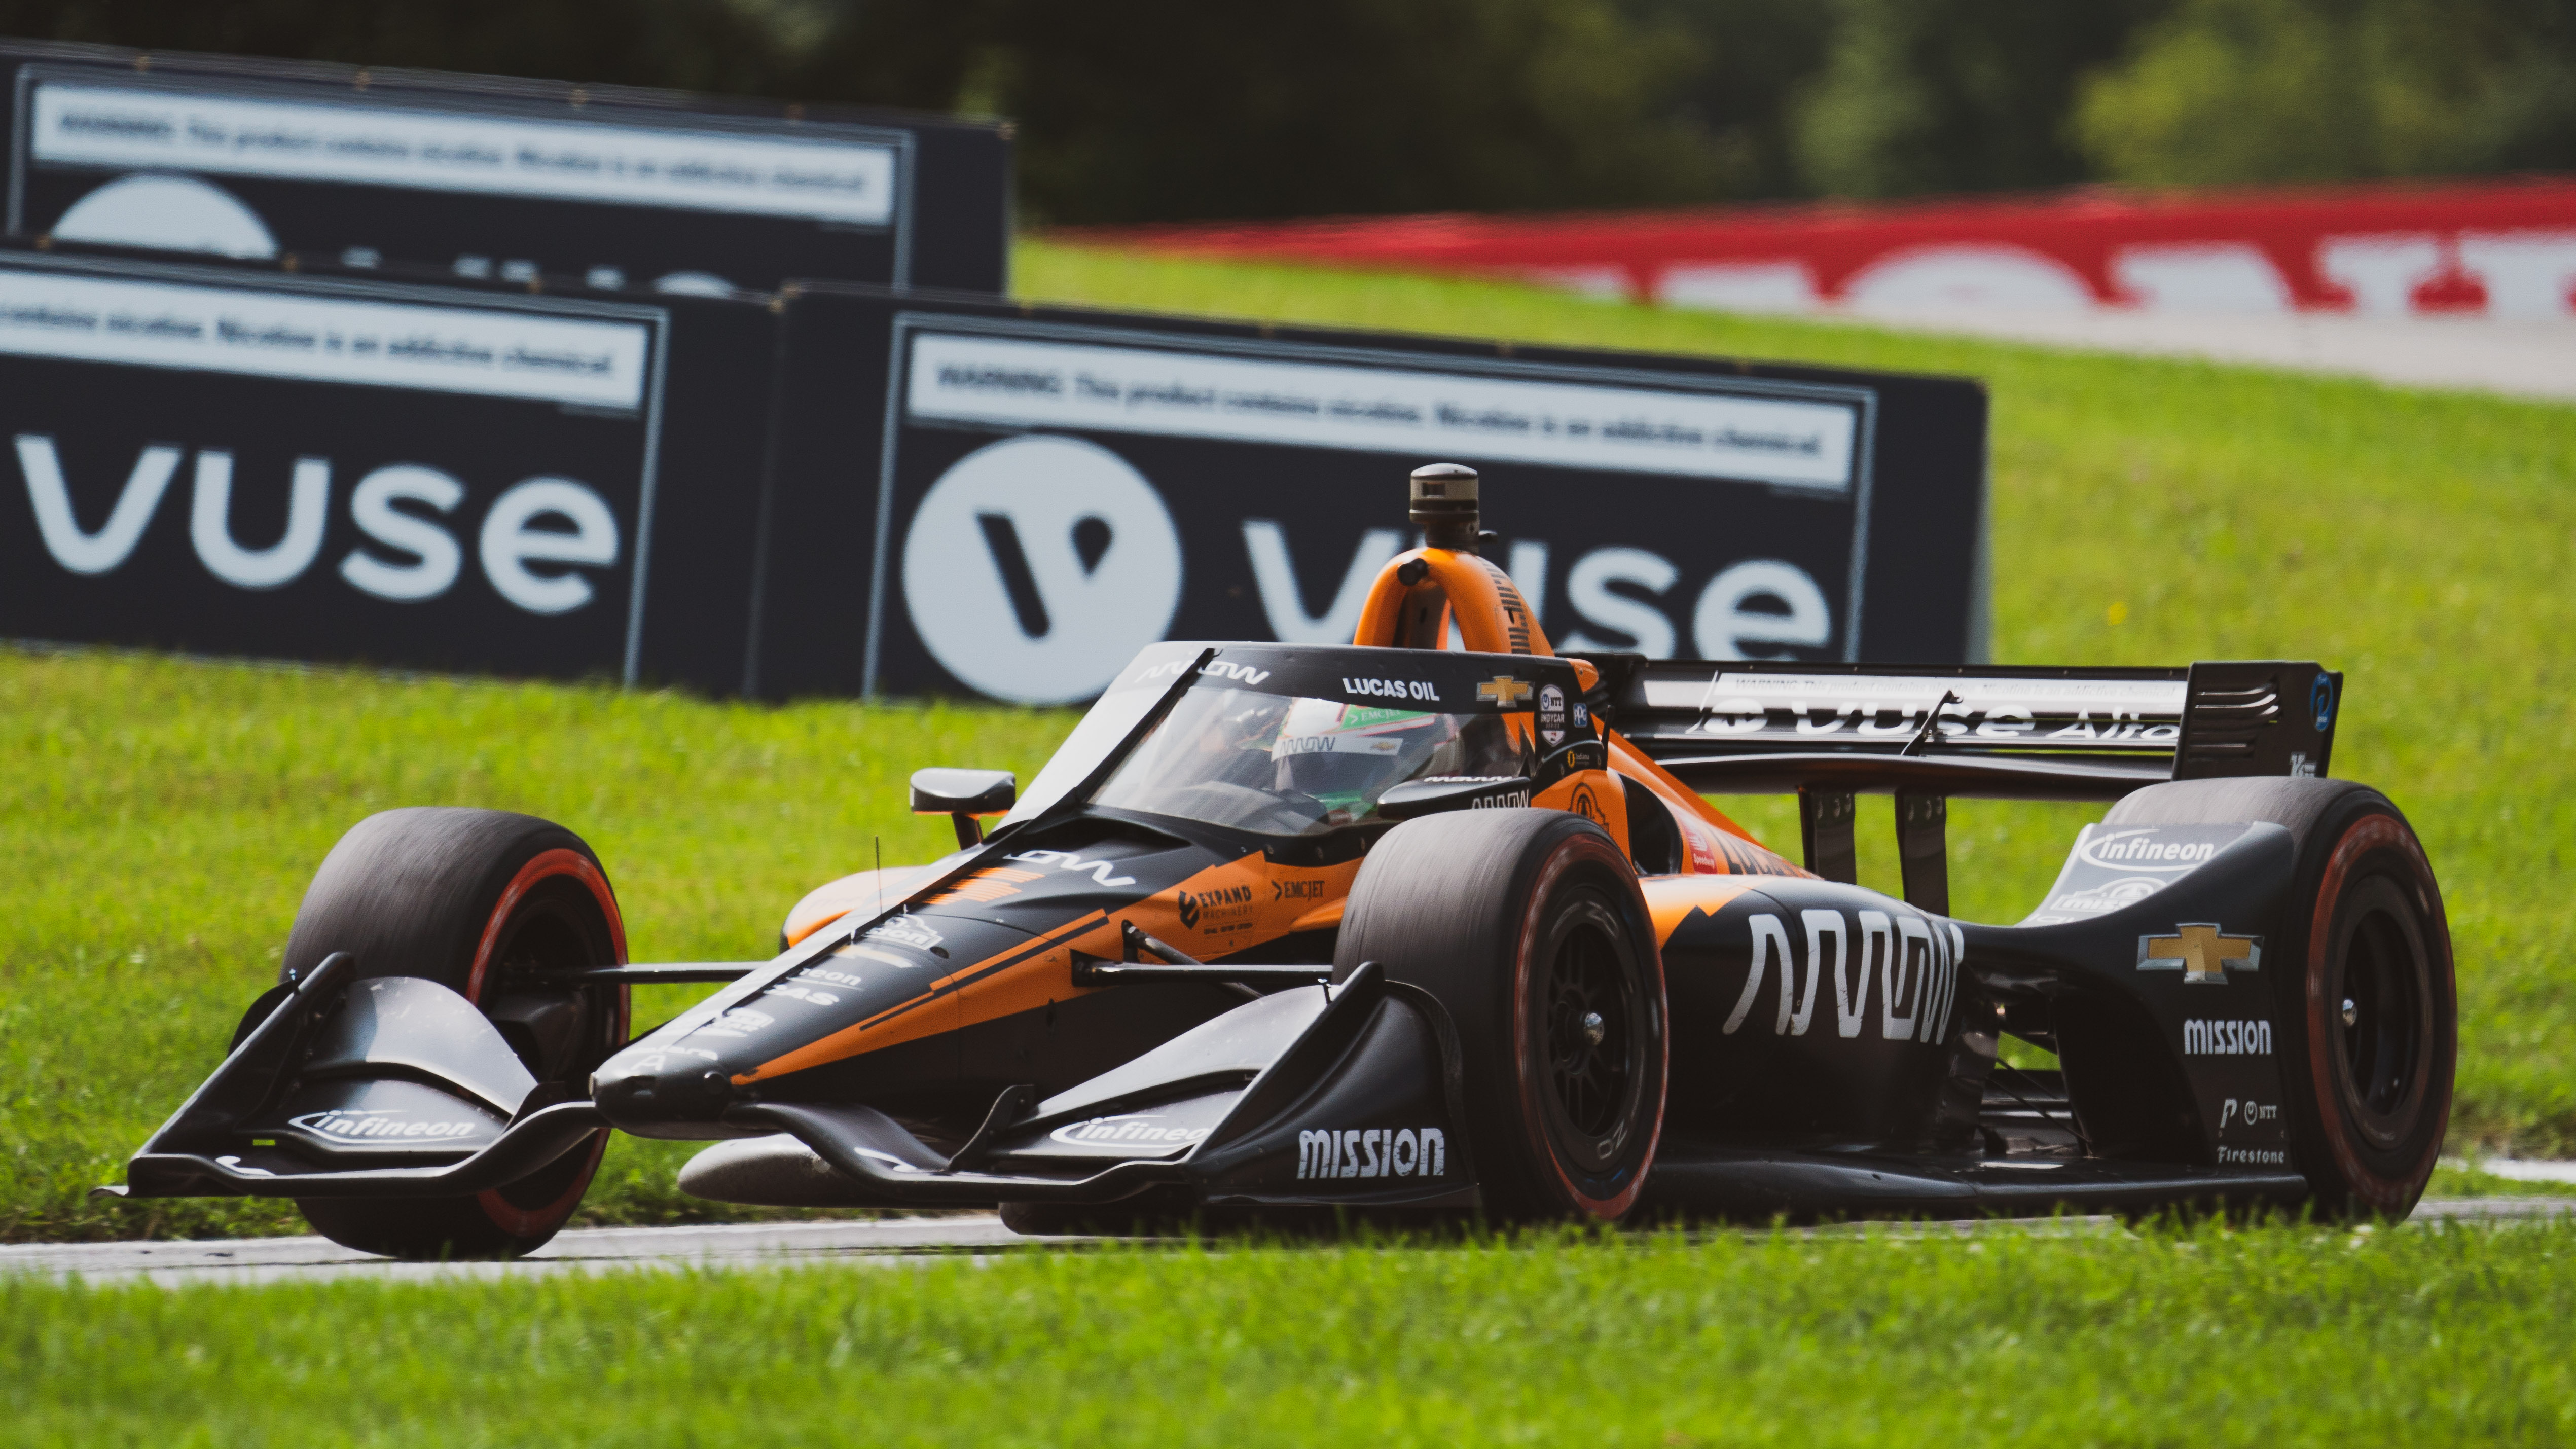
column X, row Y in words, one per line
column 2200, row 953
column 1373, row 1152
column 343, row 1125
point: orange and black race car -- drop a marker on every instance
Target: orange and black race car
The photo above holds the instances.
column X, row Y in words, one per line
column 1403, row 928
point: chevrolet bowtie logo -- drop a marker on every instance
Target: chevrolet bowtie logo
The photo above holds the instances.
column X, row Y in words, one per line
column 2199, row 953
column 1504, row 690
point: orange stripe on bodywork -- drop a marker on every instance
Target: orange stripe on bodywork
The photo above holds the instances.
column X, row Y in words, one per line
column 1326, row 917
column 870, row 891
column 1708, row 851
column 1628, row 760
column 916, row 1018
column 1226, row 908
column 1671, row 898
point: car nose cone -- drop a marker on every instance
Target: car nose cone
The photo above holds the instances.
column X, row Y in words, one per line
column 642, row 1091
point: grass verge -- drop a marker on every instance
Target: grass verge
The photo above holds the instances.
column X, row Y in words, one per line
column 2273, row 1336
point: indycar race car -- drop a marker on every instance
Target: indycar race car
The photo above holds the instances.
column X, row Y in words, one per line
column 1396, row 928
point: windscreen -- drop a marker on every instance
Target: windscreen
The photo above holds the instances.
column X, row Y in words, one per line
column 1277, row 764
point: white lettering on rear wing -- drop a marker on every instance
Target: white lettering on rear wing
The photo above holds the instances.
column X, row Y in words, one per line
column 1735, row 708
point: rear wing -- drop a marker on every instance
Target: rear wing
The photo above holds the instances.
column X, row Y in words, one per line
column 1926, row 733
column 1980, row 731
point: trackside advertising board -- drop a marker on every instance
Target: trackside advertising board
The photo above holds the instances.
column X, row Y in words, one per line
column 485, row 177
column 236, row 461
column 979, row 498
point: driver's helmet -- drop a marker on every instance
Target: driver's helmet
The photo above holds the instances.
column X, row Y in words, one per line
column 1346, row 754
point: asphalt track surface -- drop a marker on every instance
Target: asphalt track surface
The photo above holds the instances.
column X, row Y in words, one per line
column 879, row 1243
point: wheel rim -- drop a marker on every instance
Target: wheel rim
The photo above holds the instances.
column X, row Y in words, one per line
column 1594, row 1042
column 2381, row 1017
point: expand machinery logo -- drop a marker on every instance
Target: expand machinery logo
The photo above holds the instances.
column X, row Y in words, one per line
column 1223, row 903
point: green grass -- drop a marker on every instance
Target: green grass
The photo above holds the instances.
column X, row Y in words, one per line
column 158, row 818
column 2275, row 1336
column 2468, row 1179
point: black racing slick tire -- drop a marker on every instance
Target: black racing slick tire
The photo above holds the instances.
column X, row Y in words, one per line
column 1529, row 929
column 2371, row 1021
column 490, row 905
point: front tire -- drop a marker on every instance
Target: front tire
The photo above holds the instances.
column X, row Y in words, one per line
column 1528, row 927
column 2372, row 1021
column 490, row 905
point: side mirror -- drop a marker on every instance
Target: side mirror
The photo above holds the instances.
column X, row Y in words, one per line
column 962, row 795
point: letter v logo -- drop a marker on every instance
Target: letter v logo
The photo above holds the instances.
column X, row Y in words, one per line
column 74, row 548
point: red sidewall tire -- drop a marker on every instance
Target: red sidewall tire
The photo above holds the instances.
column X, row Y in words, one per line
column 2376, row 858
column 450, row 895
column 2364, row 911
column 535, row 1223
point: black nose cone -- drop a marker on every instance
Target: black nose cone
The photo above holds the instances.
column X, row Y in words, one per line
column 652, row 1093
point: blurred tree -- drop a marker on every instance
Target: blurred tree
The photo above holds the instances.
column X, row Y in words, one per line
column 1749, row 59
column 1159, row 110
column 2320, row 90
column 693, row 44
column 1178, row 109
column 1147, row 111
column 1953, row 95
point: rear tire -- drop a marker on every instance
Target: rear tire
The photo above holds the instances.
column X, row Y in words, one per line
column 488, row 904
column 2372, row 1024
column 1528, row 927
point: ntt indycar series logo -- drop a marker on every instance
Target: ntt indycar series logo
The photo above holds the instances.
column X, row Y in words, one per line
column 368, row 1128
column 1373, row 1152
